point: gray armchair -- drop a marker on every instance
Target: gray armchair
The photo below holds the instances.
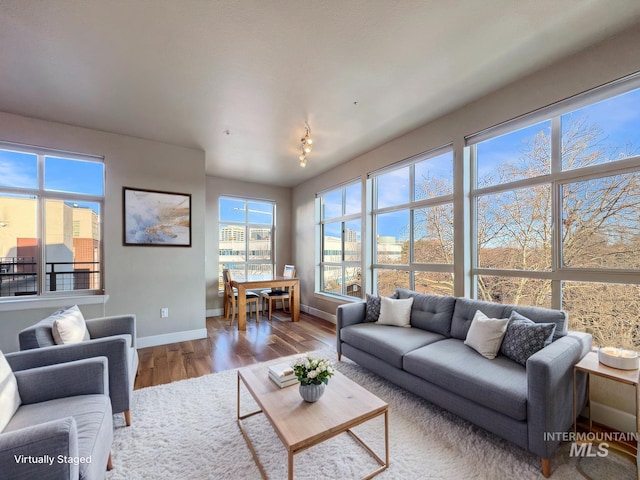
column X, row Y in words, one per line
column 112, row 337
column 65, row 418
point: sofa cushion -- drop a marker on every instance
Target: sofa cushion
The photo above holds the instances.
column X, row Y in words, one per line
column 372, row 310
column 543, row 315
column 485, row 334
column 395, row 312
column 464, row 311
column 523, row 338
column 69, row 326
column 9, row 395
column 499, row 384
column 430, row 312
column 93, row 417
column 386, row 342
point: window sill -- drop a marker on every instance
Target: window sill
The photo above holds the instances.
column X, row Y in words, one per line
column 337, row 298
column 52, row 302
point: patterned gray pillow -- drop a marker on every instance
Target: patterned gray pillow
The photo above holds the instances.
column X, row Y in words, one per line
column 525, row 337
column 373, row 308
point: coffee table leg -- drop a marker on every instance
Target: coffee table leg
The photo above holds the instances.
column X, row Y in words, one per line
column 384, row 464
column 247, row 440
column 290, row 466
column 386, row 438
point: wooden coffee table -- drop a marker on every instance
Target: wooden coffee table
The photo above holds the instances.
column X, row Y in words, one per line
column 301, row 425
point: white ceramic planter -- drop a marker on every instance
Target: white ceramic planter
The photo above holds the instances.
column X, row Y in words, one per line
column 311, row 393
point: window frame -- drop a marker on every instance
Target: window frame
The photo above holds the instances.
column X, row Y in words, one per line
column 413, row 266
column 42, row 196
column 247, row 227
column 343, row 219
column 558, row 177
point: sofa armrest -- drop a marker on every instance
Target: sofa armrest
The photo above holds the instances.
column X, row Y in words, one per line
column 348, row 314
column 101, row 347
column 81, row 377
column 550, row 390
column 46, row 440
column 115, row 348
column 114, row 325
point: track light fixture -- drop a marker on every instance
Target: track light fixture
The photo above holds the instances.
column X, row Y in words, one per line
column 306, row 143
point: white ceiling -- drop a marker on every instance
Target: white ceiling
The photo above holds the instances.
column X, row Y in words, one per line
column 186, row 71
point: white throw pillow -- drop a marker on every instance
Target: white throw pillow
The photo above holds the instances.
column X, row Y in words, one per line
column 485, row 334
column 396, row 312
column 69, row 326
column 9, row 395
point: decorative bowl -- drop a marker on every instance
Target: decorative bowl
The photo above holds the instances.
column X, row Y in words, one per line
column 618, row 358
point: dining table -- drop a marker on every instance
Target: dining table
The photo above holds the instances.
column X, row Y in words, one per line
column 278, row 282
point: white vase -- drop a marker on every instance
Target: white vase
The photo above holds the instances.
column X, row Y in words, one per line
column 311, row 393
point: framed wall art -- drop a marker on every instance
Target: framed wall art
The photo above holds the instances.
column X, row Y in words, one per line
column 156, row 218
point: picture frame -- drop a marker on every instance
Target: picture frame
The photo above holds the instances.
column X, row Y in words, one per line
column 155, row 218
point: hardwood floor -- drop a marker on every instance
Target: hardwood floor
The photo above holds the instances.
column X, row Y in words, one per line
column 227, row 348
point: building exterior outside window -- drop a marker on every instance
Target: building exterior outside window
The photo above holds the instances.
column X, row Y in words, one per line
column 340, row 224
column 50, row 222
column 246, row 238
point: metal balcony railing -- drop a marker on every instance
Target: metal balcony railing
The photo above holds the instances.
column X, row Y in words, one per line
column 19, row 276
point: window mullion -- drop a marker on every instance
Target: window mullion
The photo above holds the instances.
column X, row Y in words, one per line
column 41, row 228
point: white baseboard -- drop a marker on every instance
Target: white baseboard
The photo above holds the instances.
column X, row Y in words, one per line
column 155, row 340
column 612, row 417
column 318, row 313
column 216, row 312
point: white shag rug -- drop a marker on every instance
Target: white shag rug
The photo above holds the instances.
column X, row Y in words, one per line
column 188, row 430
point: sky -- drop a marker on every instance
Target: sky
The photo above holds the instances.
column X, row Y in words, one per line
column 617, row 117
column 19, row 169
column 235, row 210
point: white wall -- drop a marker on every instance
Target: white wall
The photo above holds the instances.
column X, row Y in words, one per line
column 138, row 280
column 217, row 187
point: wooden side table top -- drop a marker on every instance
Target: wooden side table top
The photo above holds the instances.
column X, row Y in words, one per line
column 590, row 364
column 299, row 424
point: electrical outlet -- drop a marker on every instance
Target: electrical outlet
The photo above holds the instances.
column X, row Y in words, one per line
column 164, row 312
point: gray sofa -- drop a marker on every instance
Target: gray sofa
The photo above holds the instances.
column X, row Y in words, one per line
column 65, row 418
column 113, row 337
column 518, row 403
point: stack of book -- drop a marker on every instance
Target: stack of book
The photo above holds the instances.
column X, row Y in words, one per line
column 282, row 375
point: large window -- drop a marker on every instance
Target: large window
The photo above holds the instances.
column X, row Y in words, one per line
column 246, row 240
column 557, row 214
column 340, row 222
column 50, row 221
column 413, row 225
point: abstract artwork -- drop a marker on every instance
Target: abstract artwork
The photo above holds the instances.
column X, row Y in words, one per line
column 155, row 218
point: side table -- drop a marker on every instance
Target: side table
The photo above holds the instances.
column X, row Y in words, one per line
column 591, row 366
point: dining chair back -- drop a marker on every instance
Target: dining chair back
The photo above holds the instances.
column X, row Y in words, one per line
column 271, row 297
column 231, row 298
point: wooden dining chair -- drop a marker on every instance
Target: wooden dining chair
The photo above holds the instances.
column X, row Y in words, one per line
column 271, row 297
column 231, row 298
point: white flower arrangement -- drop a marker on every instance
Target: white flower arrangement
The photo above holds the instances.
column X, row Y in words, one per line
column 313, row 371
